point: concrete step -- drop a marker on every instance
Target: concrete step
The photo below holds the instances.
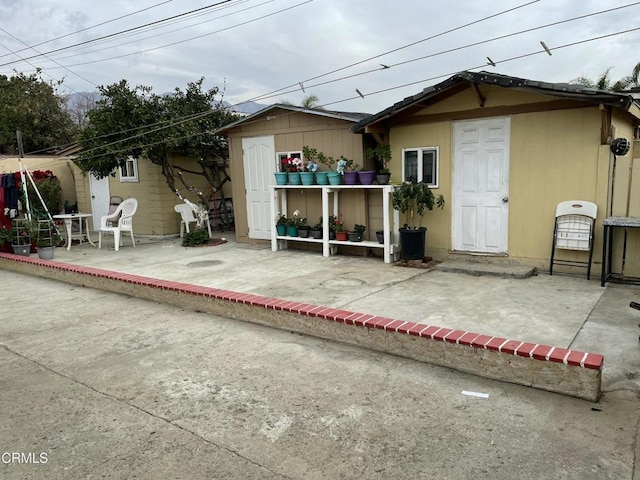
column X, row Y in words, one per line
column 492, row 269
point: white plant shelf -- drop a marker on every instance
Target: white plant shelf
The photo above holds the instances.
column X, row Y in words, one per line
column 331, row 192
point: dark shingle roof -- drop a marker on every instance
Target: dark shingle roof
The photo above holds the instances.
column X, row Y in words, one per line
column 563, row 90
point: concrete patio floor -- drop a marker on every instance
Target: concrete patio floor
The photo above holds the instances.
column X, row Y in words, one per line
column 560, row 310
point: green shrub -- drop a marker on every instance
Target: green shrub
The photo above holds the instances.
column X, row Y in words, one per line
column 199, row 236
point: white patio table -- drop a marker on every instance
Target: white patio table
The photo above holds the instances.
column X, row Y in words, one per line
column 80, row 234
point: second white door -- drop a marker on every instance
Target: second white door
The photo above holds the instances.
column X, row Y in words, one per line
column 481, row 186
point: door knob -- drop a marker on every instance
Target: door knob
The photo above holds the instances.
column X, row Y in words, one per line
column 505, row 199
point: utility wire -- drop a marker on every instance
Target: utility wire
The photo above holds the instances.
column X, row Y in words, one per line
column 123, row 31
column 193, row 38
column 510, row 59
column 75, row 54
column 518, row 57
column 62, row 66
column 89, row 28
column 403, row 47
column 472, row 68
column 442, row 52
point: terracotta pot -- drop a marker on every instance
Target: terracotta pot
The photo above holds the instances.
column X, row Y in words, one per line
column 342, row 236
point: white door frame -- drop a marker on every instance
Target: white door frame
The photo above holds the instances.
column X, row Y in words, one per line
column 259, row 163
column 480, row 193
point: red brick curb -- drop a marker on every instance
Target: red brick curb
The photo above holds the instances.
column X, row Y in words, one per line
column 493, row 349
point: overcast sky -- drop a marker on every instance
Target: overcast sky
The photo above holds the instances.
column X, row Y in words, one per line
column 296, row 40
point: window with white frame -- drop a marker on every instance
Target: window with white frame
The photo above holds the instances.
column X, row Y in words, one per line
column 420, row 165
column 129, row 171
column 282, row 155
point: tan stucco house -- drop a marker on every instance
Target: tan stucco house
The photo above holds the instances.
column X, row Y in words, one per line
column 257, row 141
column 504, row 151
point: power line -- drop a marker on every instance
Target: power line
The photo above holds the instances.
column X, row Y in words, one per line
column 75, row 54
column 196, row 37
column 89, row 28
column 123, row 31
column 510, row 59
column 403, row 47
column 66, row 68
column 477, row 43
column 442, row 52
column 518, row 57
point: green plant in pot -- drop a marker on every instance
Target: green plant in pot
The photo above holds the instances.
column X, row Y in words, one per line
column 303, row 228
column 316, row 230
column 23, row 230
column 355, row 235
column 381, row 155
column 413, row 200
column 281, row 224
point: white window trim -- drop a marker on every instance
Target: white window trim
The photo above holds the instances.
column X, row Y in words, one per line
column 134, row 165
column 286, row 155
column 420, row 150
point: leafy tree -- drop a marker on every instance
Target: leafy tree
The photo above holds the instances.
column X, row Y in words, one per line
column 309, row 101
column 31, row 106
column 135, row 121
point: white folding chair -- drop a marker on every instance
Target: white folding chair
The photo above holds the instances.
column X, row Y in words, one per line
column 187, row 216
column 124, row 218
column 574, row 230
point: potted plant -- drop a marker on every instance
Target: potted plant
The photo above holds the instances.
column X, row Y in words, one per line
column 316, row 230
column 413, row 200
column 318, row 158
column 281, row 224
column 21, row 243
column 381, row 154
column 303, row 228
column 294, row 223
column 348, row 168
column 46, row 239
column 293, row 166
column 337, row 226
column 355, row 235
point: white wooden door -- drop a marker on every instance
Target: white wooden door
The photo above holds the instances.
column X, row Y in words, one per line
column 481, row 186
column 100, row 197
column 259, row 161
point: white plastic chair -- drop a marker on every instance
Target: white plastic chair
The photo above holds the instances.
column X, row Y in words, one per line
column 124, row 218
column 574, row 230
column 187, row 216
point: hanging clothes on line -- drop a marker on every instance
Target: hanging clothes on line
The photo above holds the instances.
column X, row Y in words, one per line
column 9, row 184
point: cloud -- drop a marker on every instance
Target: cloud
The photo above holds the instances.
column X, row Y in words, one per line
column 318, row 37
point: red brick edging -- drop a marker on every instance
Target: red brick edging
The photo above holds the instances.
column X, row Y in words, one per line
column 584, row 383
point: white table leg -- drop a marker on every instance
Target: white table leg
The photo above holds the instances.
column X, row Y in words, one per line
column 67, row 223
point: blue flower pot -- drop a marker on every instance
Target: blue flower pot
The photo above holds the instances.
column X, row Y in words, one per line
column 294, row 178
column 281, row 229
column 334, row 178
column 307, row 178
column 292, row 231
column 281, row 178
column 321, row 178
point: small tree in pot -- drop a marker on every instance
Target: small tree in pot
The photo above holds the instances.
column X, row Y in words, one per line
column 381, row 156
column 413, row 200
